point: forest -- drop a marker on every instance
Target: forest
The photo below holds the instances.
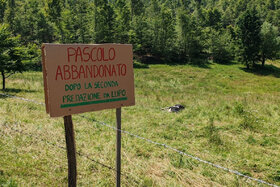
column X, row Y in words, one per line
column 161, row 31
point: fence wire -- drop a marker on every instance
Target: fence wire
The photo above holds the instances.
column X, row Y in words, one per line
column 160, row 144
column 39, row 139
column 186, row 154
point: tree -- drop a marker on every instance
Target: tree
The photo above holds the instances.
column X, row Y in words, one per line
column 217, row 40
column 123, row 20
column 83, row 21
column 249, row 25
column 164, row 34
column 270, row 42
column 188, row 39
column 77, row 20
column 137, row 7
column 270, row 4
column 33, row 24
column 11, row 55
column 213, row 18
column 54, row 11
column 10, row 14
column 104, row 22
column 2, row 9
column 219, row 46
column 139, row 33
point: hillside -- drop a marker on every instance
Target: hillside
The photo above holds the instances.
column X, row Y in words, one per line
column 231, row 119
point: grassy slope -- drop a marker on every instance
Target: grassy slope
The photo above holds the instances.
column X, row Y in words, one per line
column 231, row 118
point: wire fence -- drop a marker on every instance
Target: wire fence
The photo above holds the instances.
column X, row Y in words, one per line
column 155, row 143
column 80, row 153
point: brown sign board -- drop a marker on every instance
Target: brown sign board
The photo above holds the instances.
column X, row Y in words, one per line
column 87, row 77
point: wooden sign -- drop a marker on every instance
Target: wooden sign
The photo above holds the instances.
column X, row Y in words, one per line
column 80, row 78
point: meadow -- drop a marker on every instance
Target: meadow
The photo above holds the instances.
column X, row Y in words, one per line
column 231, row 118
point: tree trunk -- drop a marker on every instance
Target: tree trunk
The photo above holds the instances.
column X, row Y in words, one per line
column 263, row 60
column 3, row 80
column 248, row 66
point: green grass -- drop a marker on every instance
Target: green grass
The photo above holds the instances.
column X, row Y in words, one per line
column 231, row 118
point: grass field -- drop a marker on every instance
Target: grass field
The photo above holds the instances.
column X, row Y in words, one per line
column 232, row 118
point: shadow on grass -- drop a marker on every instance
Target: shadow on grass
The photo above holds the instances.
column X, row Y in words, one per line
column 264, row 71
column 15, row 90
column 33, row 67
column 3, row 96
column 228, row 63
column 11, row 92
column 205, row 64
column 152, row 60
column 139, row 65
column 200, row 63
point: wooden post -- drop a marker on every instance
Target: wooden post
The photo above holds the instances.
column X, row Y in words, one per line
column 118, row 146
column 71, row 151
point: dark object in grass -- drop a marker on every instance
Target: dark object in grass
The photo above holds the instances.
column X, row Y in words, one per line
column 175, row 108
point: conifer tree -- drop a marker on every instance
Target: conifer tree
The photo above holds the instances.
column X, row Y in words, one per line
column 11, row 55
column 54, row 11
column 123, row 21
column 9, row 17
column 249, row 34
column 2, row 9
column 104, row 22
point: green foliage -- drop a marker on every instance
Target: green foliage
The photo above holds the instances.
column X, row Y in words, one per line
column 123, row 21
column 32, row 23
column 33, row 58
column 77, row 22
column 10, row 14
column 11, row 54
column 54, row 10
column 139, row 35
column 163, row 30
column 219, row 46
column 270, row 44
column 249, row 25
column 190, row 46
column 137, row 8
column 81, row 23
column 3, row 4
column 172, row 31
column 104, row 22
column 213, row 18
